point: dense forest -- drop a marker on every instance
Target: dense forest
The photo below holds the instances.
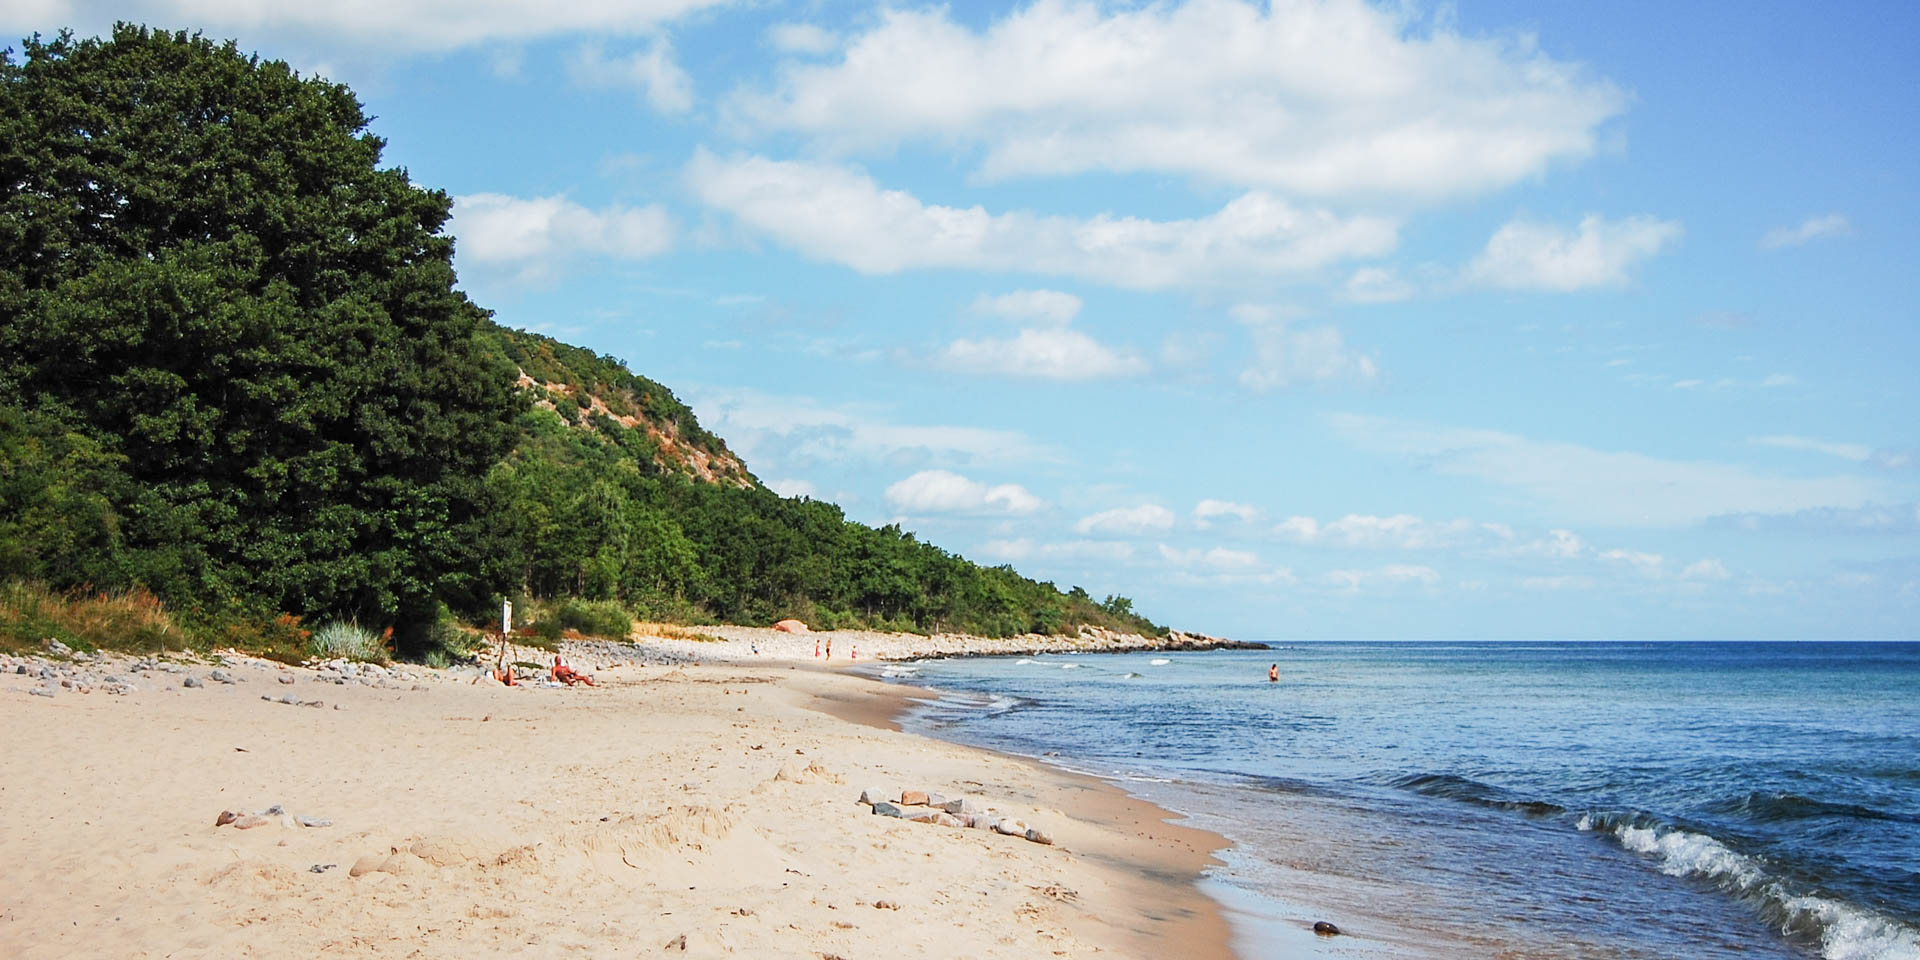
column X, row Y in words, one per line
column 237, row 375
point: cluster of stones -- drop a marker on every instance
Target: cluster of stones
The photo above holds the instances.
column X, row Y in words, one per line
column 921, row 806
column 243, row 820
column 344, row 672
column 64, row 668
column 67, row 669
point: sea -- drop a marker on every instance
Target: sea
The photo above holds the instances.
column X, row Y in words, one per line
column 1503, row 799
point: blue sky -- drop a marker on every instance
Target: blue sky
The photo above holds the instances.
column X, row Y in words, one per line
column 1318, row 319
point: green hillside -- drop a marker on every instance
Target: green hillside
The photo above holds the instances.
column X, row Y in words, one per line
column 236, row 372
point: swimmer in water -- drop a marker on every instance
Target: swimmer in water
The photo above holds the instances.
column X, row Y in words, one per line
column 1273, row 674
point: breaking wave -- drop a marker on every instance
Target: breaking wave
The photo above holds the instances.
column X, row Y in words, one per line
column 1843, row 930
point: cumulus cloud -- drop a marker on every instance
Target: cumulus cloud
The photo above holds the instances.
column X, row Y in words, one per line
column 652, row 71
column 537, row 236
column 802, row 38
column 1402, row 531
column 794, row 487
column 942, row 491
column 1050, row 306
column 1207, row 511
column 1391, row 575
column 1284, row 356
column 1810, row 229
column 1523, row 255
column 1322, row 97
column 840, row 215
column 1377, row 285
column 1216, row 558
column 1127, row 521
column 1054, row 353
column 419, row 25
column 1027, row 549
column 1584, row 485
column 786, row 430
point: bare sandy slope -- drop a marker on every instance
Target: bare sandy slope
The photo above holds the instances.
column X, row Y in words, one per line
column 683, row 811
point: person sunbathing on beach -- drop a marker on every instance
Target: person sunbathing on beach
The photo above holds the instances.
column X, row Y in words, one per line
column 569, row 675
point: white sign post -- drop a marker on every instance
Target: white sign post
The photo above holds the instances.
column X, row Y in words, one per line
column 506, row 616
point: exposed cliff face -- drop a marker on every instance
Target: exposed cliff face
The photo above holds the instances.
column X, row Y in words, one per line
column 599, row 394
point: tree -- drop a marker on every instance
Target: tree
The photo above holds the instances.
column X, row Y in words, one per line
column 204, row 270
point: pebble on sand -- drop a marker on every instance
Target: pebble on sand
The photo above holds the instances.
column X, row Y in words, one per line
column 1325, row 929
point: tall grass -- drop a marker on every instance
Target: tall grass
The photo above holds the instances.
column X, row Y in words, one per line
column 132, row 620
column 346, row 640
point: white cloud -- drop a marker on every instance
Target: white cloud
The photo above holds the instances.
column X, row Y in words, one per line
column 1780, row 380
column 1523, row 255
column 1207, row 511
column 1050, row 306
column 1813, row 228
column 1402, row 531
column 539, row 235
column 1024, row 548
column 942, row 491
column 1377, row 285
column 1328, row 98
column 667, row 88
column 1125, row 521
column 1584, row 485
column 1561, row 582
column 1283, row 356
column 793, row 487
column 1857, row 452
column 1391, row 575
column 1651, row 564
column 1048, row 354
column 802, row 38
column 788, row 430
column 423, row 25
column 1708, row 569
column 1217, row 558
column 840, row 215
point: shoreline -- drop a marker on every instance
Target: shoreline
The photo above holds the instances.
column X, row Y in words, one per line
column 709, row 809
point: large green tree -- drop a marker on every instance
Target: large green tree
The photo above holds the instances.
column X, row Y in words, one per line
column 208, row 282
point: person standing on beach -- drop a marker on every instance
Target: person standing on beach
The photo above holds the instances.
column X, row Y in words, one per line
column 1273, row 674
column 829, row 648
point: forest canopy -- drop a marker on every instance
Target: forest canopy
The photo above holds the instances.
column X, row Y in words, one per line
column 236, row 370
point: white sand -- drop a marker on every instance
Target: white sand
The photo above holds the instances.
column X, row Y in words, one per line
column 611, row 821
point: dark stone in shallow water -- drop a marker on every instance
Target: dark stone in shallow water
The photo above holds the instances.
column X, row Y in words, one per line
column 1325, row 929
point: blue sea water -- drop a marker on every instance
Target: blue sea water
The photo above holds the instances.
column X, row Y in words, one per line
column 1554, row 800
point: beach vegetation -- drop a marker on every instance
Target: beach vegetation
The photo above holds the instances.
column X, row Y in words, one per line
column 346, row 640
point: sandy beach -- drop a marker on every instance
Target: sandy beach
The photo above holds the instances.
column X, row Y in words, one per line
column 708, row 810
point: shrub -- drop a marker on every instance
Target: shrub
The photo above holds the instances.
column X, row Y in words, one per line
column 596, row 618
column 346, row 639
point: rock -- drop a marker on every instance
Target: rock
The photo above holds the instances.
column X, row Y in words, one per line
column 190, row 682
column 322, row 867
column 250, row 821
column 961, row 805
column 21, row 669
column 1040, row 836
column 871, row 796
column 885, row 905
column 883, row 808
column 419, row 688
column 937, row 799
column 313, row 822
column 913, row 798
column 1325, row 929
column 220, row 676
column 119, row 689
column 273, row 811
column 1010, row 827
column 338, row 707
column 41, row 691
column 286, row 678
column 111, row 678
column 367, row 864
column 57, row 648
column 225, row 817
column 923, row 816
column 946, row 819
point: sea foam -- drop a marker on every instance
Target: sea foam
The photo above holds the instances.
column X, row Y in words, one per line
column 1845, row 931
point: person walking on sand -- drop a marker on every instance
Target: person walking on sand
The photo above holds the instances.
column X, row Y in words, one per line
column 1273, row 674
column 829, row 648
